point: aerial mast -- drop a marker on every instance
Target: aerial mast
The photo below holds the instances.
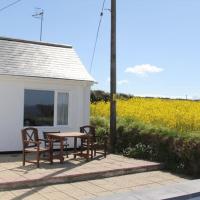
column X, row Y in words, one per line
column 39, row 14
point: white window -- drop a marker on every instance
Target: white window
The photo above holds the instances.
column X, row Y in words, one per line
column 62, row 108
column 40, row 109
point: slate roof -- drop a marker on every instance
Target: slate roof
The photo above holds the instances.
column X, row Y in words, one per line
column 40, row 59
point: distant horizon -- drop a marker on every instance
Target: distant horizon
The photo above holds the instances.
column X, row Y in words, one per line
column 154, row 96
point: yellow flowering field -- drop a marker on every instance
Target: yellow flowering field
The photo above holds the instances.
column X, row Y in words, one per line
column 181, row 115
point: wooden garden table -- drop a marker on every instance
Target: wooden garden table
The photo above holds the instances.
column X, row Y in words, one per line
column 75, row 135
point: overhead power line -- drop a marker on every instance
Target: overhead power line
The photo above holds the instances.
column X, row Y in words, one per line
column 9, row 5
column 97, row 36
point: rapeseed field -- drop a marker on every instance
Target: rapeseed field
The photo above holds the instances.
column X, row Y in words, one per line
column 180, row 115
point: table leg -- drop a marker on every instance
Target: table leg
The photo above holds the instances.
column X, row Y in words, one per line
column 61, row 150
column 92, row 148
column 51, row 150
column 88, row 148
column 75, row 147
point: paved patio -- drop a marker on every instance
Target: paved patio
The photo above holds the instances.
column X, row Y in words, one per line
column 13, row 175
column 147, row 185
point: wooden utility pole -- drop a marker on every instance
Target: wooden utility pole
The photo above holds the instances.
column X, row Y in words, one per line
column 113, row 78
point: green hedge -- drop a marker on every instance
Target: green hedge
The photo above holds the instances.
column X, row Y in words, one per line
column 179, row 152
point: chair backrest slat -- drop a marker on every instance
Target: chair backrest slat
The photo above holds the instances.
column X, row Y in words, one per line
column 90, row 130
column 29, row 135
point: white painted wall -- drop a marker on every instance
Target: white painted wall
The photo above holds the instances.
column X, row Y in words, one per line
column 12, row 106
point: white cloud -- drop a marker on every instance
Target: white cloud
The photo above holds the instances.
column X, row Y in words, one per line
column 143, row 69
column 196, row 97
column 122, row 82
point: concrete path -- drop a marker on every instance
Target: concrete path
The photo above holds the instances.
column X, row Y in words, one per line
column 178, row 191
column 136, row 186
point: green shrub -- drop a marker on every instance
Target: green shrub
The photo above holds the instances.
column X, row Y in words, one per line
column 99, row 122
column 178, row 151
column 102, row 127
column 141, row 151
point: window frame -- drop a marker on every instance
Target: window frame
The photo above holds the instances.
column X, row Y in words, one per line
column 55, row 106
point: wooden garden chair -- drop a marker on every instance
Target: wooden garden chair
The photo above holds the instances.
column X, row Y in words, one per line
column 32, row 144
column 97, row 142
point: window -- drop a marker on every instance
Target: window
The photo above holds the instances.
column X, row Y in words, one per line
column 62, row 108
column 38, row 108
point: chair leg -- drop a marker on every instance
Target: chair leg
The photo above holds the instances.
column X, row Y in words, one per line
column 51, row 156
column 38, row 159
column 95, row 152
column 81, row 147
column 66, row 151
column 23, row 158
column 105, row 149
column 92, row 150
column 105, row 153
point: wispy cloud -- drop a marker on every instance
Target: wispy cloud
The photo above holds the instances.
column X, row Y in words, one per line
column 120, row 82
column 143, row 69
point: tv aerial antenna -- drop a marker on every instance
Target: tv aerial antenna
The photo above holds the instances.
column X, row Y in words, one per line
column 39, row 14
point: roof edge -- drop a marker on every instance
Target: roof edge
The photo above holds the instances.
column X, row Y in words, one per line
column 35, row 42
column 46, row 77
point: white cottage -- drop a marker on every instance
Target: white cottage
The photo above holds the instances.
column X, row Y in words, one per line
column 42, row 85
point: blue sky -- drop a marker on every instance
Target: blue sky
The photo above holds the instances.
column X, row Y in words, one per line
column 158, row 42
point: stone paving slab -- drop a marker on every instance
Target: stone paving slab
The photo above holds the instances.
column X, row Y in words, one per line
column 13, row 175
column 188, row 189
column 101, row 189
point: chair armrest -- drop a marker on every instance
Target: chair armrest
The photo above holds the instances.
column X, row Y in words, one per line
column 48, row 141
column 43, row 140
column 86, row 136
column 32, row 142
column 105, row 137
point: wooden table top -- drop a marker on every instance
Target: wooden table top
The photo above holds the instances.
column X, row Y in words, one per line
column 67, row 134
